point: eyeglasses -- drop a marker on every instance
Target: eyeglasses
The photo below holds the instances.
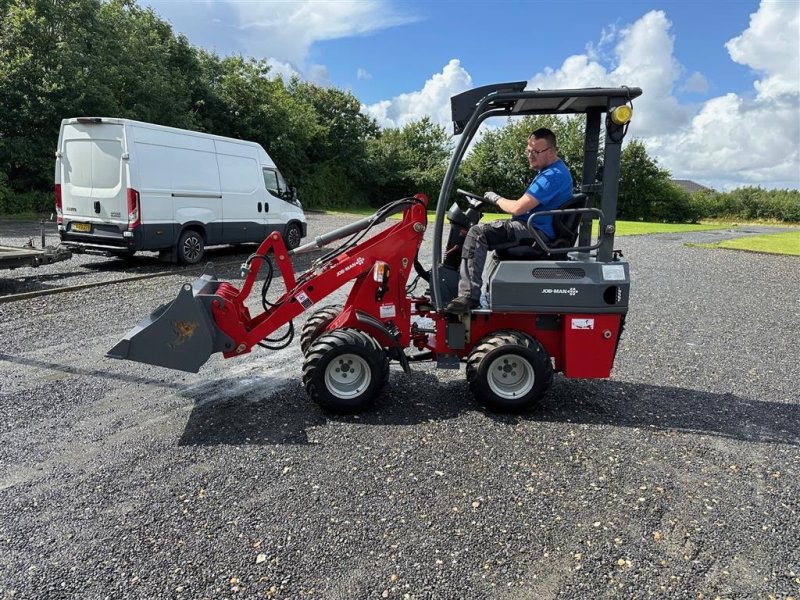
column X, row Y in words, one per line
column 530, row 151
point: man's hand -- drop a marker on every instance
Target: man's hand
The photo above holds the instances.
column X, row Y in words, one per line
column 492, row 197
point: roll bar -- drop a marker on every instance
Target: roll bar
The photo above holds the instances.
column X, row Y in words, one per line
column 469, row 109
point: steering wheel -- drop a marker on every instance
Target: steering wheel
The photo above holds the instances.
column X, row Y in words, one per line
column 475, row 197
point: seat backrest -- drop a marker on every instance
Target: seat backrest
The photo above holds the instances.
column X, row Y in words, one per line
column 565, row 226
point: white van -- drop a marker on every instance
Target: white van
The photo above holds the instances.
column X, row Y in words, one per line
column 123, row 186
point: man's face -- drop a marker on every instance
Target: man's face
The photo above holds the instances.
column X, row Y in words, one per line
column 539, row 153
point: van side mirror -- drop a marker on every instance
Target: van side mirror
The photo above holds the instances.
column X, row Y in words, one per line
column 290, row 194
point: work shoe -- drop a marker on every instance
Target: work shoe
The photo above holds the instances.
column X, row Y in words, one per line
column 461, row 305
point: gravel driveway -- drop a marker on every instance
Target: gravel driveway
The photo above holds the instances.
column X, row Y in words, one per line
column 676, row 478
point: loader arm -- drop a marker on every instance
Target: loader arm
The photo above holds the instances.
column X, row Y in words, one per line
column 210, row 316
column 395, row 247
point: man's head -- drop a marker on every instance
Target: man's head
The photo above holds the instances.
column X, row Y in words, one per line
column 541, row 151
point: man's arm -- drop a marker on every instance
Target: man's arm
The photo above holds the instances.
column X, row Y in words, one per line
column 520, row 206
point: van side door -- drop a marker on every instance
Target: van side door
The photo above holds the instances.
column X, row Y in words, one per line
column 242, row 194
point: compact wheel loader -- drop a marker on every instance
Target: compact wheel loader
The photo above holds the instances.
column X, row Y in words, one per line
column 562, row 310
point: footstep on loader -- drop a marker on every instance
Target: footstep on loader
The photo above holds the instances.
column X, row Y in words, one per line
column 563, row 312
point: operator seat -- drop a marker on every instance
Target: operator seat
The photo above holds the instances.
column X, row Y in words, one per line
column 565, row 227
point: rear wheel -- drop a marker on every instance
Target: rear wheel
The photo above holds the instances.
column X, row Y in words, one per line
column 509, row 371
column 190, row 247
column 316, row 324
column 344, row 370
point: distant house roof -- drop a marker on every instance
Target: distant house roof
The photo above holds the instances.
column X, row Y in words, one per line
column 690, row 186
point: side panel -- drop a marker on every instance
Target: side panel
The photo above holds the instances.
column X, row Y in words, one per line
column 560, row 286
column 590, row 344
column 243, row 196
column 178, row 181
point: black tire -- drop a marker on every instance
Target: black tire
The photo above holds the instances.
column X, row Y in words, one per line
column 509, row 371
column 316, row 324
column 344, row 370
column 191, row 247
column 293, row 237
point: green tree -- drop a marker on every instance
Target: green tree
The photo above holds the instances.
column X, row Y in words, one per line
column 408, row 160
column 645, row 190
column 67, row 58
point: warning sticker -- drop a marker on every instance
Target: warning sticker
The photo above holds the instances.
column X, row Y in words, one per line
column 388, row 311
column 583, row 323
column 304, row 300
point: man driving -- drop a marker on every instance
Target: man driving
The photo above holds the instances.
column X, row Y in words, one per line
column 551, row 188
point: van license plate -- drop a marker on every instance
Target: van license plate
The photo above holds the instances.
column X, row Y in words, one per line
column 82, row 227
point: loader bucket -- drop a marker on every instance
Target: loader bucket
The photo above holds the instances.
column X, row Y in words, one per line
column 181, row 335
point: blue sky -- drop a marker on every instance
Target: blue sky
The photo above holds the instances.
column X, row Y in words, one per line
column 721, row 78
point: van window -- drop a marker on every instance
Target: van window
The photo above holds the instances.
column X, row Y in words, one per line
column 274, row 181
column 93, row 163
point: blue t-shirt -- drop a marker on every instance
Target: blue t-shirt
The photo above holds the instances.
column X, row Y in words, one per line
column 552, row 187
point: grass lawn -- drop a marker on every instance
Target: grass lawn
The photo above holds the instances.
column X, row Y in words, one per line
column 787, row 242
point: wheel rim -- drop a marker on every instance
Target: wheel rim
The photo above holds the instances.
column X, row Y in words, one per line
column 347, row 376
column 510, row 376
column 191, row 248
column 293, row 238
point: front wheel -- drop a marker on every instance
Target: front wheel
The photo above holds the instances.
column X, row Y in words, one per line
column 344, row 370
column 293, row 236
column 509, row 371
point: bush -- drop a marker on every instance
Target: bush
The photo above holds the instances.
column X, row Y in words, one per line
column 328, row 187
column 672, row 205
column 14, row 203
column 749, row 204
column 5, row 194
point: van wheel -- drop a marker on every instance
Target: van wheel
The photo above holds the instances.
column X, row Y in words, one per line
column 190, row 247
column 293, row 236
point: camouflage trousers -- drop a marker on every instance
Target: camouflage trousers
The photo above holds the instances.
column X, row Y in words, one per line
column 480, row 239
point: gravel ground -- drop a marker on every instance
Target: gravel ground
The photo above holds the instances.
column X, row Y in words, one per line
column 676, row 478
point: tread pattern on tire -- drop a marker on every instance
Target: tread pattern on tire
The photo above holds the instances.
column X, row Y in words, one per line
column 328, row 342
column 314, row 325
column 499, row 339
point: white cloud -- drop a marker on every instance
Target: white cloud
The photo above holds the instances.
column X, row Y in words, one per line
column 751, row 140
column 730, row 140
column 286, row 30
column 432, row 100
column 283, row 69
column 727, row 141
column 363, row 74
column 696, row 82
column 644, row 59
